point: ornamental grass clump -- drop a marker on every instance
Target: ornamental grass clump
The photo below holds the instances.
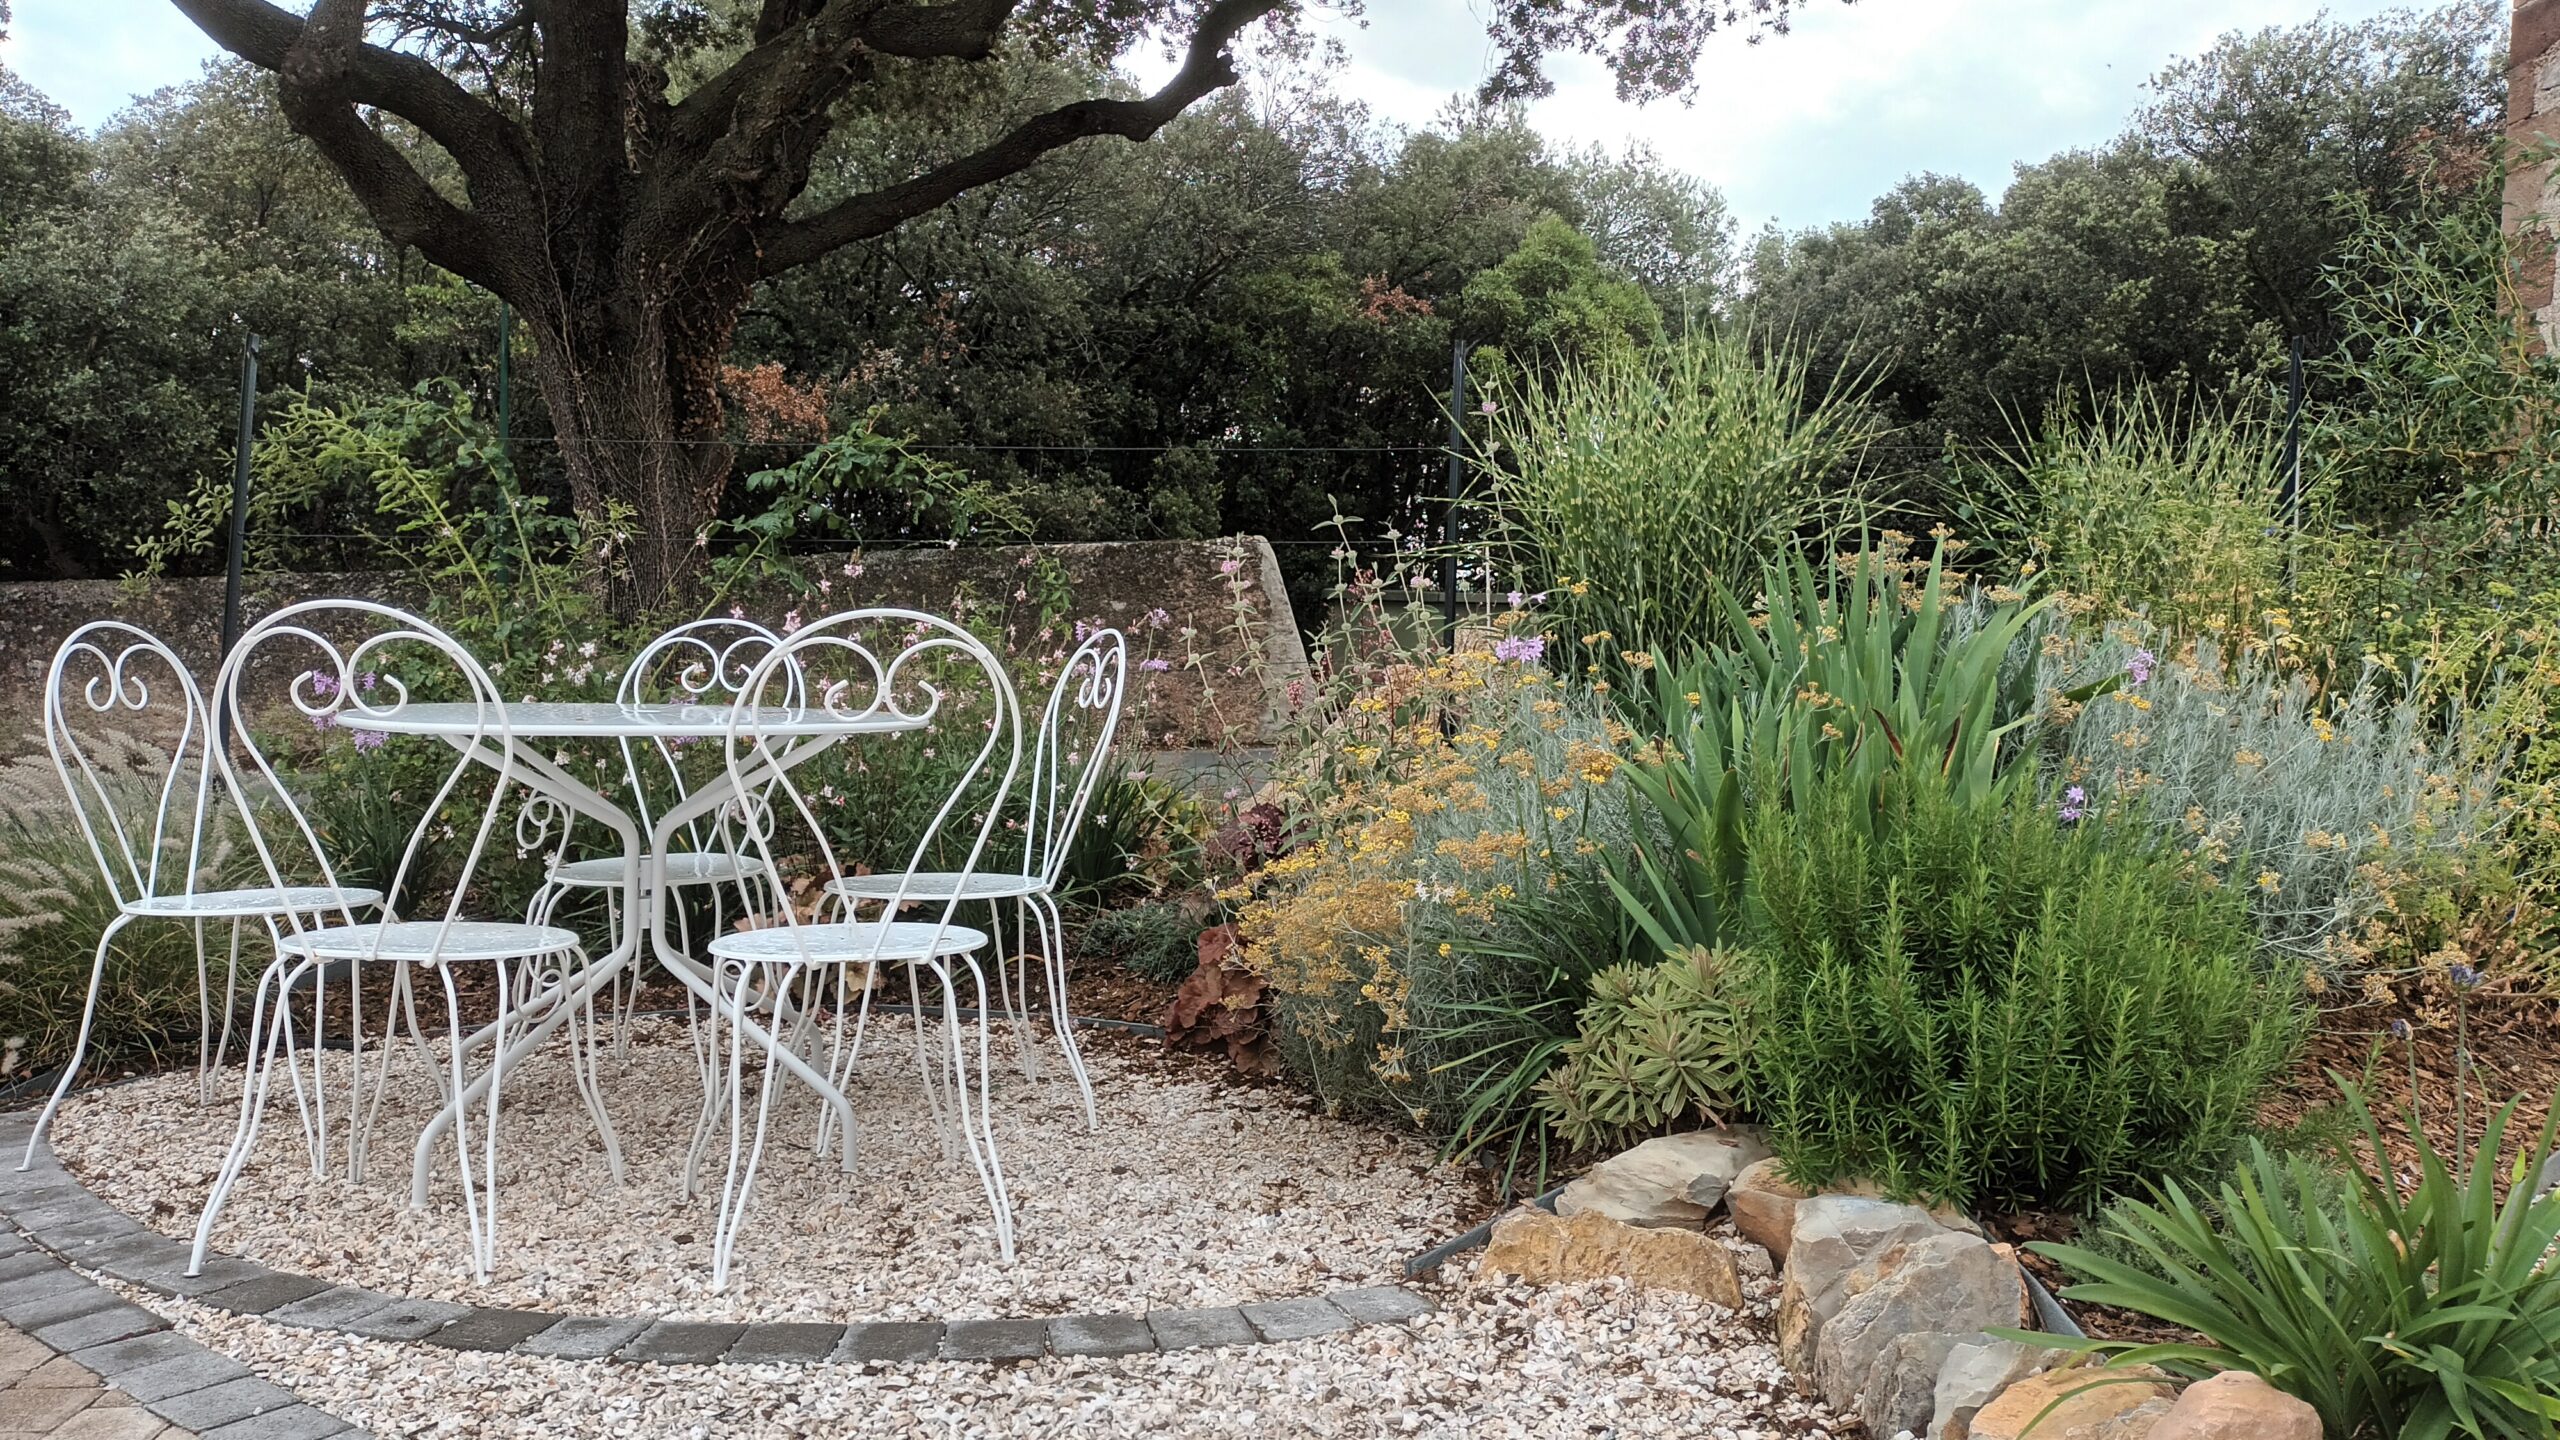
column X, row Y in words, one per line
column 1975, row 1002
column 2305, row 801
column 1630, row 486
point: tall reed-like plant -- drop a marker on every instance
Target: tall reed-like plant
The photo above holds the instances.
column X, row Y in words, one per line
column 1630, row 486
column 2152, row 505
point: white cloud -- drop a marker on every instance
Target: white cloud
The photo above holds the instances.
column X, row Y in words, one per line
column 1801, row 128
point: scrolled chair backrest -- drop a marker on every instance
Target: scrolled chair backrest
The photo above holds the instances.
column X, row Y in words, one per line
column 110, row 680
column 336, row 665
column 874, row 671
column 1073, row 745
column 703, row 662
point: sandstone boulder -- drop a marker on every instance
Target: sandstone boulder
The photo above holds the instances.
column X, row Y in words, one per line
column 1833, row 1235
column 1763, row 1206
column 2082, row 1403
column 1945, row 1284
column 1974, row 1374
column 2236, row 1405
column 1675, row 1180
column 1547, row 1249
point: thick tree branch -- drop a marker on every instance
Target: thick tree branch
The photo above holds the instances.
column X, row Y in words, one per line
column 954, row 30
column 481, row 140
column 1205, row 67
column 317, row 82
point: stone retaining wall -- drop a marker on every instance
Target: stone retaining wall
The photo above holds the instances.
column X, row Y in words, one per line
column 1223, row 685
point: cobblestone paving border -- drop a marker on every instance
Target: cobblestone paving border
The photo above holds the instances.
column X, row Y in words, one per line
column 186, row 1384
column 61, row 1223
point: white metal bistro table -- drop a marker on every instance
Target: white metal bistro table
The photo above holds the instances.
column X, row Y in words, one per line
column 790, row 735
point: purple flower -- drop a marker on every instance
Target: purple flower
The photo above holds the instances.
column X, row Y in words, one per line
column 2462, row 975
column 2399, row 1029
column 1229, row 567
column 323, row 685
column 2075, row 804
column 2138, row 666
column 1153, row 663
column 1526, row 649
column 367, row 679
column 369, row 739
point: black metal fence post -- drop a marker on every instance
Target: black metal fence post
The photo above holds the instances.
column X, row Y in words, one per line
column 1449, row 500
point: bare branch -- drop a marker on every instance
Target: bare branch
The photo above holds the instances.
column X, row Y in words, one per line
column 1206, row 67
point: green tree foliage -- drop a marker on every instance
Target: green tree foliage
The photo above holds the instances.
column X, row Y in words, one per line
column 2186, row 251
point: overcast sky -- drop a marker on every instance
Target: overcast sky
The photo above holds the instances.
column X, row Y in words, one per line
column 1801, row 128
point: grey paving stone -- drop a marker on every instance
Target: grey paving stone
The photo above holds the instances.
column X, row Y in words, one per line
column 221, row 1272
column 490, row 1329
column 333, row 1308
column 681, row 1342
column 995, row 1339
column 791, row 1344
column 117, row 1322
column 1187, row 1329
column 1295, row 1318
column 82, row 1298
column 183, row 1375
column 139, row 1250
column 1101, row 1335
column 582, row 1337
column 294, row 1422
column 80, row 1236
column 1380, row 1304
column 261, row 1293
column 13, row 1243
column 50, row 1215
column 225, row 1404
column 27, row 1262
column 407, row 1319
column 889, row 1342
column 117, row 1357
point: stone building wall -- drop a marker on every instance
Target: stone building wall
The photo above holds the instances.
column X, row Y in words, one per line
column 2533, row 191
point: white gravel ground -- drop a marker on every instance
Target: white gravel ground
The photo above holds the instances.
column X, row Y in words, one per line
column 1194, row 1192
column 1496, row 1361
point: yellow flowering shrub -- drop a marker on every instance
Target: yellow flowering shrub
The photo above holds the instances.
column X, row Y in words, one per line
column 1453, row 814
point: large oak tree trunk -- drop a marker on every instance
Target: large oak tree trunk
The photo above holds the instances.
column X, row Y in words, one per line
column 633, row 387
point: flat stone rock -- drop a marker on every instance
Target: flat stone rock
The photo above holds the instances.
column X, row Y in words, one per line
column 1674, row 1180
column 1191, row 1329
column 785, row 1344
column 181, row 1375
column 1546, row 1249
column 225, row 1404
column 489, row 1329
column 1380, row 1304
column 333, row 1308
column 294, row 1422
column 407, row 1319
column 54, row 1306
column 1101, row 1335
column 582, row 1337
column 1832, row 1236
column 1297, row 1318
column 995, row 1339
column 265, row 1293
column 117, row 1357
column 681, row 1342
column 889, row 1342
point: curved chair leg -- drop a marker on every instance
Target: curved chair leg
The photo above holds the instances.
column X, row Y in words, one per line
column 204, row 1020
column 715, row 1074
column 586, row 1068
column 79, row 1047
column 740, row 1185
column 977, row 1127
column 1053, row 946
column 480, row 1194
column 258, row 1060
column 230, row 998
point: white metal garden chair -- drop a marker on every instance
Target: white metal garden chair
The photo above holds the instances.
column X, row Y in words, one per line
column 339, row 662
column 149, row 833
column 1067, row 760
column 703, row 662
column 936, row 673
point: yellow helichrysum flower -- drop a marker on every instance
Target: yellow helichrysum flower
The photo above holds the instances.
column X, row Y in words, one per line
column 2270, row 881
